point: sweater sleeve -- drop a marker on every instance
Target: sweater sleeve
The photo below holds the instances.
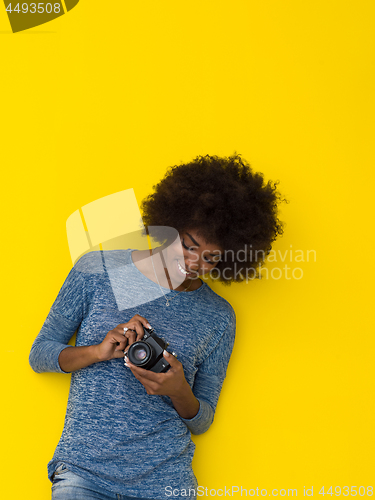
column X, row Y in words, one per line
column 65, row 316
column 209, row 380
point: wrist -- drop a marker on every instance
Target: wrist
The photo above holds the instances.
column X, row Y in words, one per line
column 182, row 393
column 76, row 357
column 185, row 403
column 96, row 354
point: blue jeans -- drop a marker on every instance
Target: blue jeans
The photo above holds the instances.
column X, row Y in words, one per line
column 68, row 486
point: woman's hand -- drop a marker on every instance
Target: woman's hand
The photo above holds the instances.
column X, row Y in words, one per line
column 116, row 341
column 171, row 383
column 113, row 345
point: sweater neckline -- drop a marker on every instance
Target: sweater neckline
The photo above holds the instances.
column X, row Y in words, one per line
column 165, row 290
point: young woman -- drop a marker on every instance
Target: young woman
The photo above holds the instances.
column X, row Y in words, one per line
column 127, row 431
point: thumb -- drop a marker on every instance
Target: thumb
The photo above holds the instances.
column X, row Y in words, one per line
column 172, row 360
column 118, row 353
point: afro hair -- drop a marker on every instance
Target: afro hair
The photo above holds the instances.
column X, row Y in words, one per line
column 227, row 204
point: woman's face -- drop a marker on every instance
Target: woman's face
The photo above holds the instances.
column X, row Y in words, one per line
column 191, row 256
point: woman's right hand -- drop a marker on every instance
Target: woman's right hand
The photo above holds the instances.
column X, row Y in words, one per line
column 116, row 342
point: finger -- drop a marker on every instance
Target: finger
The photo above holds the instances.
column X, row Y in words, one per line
column 138, row 375
column 123, row 328
column 150, row 386
column 138, row 327
column 115, row 337
column 118, row 353
column 141, row 372
column 130, row 335
column 132, row 328
column 142, row 320
column 135, row 319
column 121, row 346
column 131, row 324
column 172, row 360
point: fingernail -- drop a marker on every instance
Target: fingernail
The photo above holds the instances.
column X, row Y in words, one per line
column 148, row 325
column 166, row 353
column 126, row 364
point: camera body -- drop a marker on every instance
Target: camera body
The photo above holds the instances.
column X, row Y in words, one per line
column 148, row 352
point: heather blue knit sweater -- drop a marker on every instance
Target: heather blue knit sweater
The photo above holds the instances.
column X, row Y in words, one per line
column 115, row 434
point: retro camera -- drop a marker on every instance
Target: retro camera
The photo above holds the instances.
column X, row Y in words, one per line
column 148, row 352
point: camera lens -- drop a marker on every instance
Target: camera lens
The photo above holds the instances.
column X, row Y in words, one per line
column 140, row 353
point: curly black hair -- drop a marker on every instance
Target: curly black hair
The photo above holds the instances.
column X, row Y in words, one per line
column 227, row 204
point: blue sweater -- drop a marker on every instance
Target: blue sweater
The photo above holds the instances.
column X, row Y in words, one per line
column 115, row 434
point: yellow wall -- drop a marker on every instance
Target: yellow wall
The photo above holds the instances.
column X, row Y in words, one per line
column 106, row 97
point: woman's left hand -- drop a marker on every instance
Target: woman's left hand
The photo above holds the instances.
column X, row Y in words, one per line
column 171, row 383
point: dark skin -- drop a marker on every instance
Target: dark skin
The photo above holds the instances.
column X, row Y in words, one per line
column 191, row 252
column 196, row 257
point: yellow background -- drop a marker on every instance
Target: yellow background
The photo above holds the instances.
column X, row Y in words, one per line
column 104, row 99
